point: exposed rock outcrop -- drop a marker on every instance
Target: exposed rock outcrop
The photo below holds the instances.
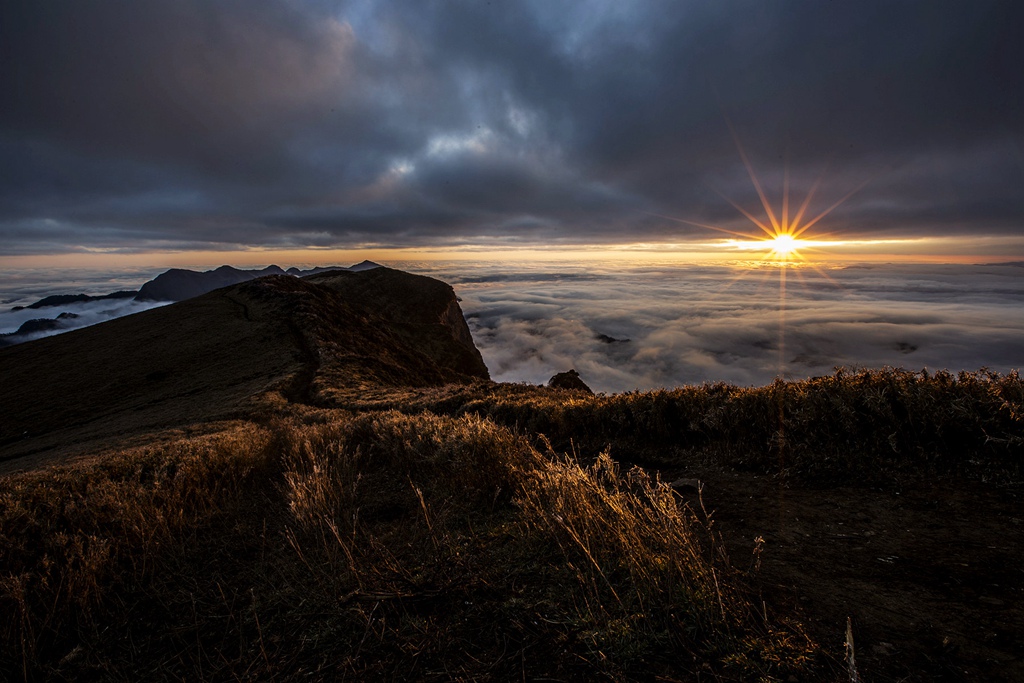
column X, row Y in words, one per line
column 569, row 379
column 423, row 311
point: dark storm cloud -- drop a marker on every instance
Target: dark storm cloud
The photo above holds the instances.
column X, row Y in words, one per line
column 268, row 122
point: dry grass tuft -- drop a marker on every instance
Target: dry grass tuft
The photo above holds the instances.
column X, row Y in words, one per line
column 648, row 574
column 612, row 567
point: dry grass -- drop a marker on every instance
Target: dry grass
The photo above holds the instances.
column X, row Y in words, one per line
column 871, row 426
column 72, row 537
column 592, row 570
column 456, row 543
column 380, row 546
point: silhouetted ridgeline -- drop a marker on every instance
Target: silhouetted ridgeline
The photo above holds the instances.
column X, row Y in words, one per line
column 64, row 299
column 172, row 285
column 178, row 284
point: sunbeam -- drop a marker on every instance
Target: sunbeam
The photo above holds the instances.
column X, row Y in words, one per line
column 784, row 241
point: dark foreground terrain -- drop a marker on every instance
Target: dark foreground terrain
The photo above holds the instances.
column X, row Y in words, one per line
column 315, row 479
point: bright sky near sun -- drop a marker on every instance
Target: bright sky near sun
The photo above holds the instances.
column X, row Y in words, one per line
column 922, row 250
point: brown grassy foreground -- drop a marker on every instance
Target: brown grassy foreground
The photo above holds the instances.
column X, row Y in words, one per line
column 381, row 546
column 454, row 543
column 876, row 426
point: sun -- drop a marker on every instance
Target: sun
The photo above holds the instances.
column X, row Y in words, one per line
column 784, row 240
column 784, row 244
column 782, row 233
column 783, row 247
column 784, row 237
column 786, row 232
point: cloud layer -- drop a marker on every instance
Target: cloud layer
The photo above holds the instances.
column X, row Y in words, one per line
column 84, row 314
column 195, row 124
column 692, row 325
column 641, row 327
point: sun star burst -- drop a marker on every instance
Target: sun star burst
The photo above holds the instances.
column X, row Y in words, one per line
column 784, row 244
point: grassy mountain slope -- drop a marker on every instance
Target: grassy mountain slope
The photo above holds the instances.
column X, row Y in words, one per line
column 186, row 362
column 220, row 355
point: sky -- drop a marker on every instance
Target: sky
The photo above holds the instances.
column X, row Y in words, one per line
column 166, row 132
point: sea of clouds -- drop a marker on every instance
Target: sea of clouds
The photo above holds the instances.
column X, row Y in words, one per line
column 625, row 327
column 86, row 313
column 26, row 286
column 696, row 324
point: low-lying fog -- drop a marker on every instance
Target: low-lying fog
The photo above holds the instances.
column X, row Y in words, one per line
column 700, row 323
column 25, row 287
column 643, row 327
column 83, row 314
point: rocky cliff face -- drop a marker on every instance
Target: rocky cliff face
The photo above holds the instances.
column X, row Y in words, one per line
column 423, row 311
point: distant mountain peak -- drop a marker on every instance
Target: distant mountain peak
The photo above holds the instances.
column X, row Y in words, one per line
column 178, row 284
column 64, row 299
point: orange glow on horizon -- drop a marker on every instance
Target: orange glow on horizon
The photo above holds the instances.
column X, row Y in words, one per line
column 953, row 250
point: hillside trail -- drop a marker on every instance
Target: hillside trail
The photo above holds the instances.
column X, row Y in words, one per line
column 930, row 575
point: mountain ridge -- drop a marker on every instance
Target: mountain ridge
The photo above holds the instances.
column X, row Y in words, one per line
column 190, row 280
column 178, row 284
column 64, row 299
column 175, row 284
column 211, row 356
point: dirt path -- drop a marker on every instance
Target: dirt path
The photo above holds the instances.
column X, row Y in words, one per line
column 931, row 576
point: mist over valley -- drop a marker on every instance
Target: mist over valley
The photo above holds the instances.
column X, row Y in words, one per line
column 696, row 324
